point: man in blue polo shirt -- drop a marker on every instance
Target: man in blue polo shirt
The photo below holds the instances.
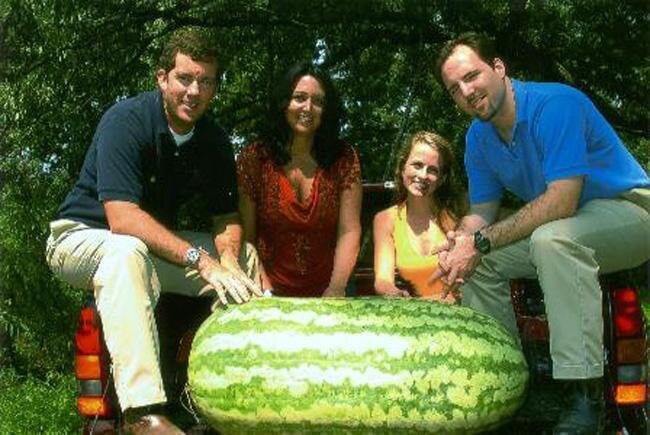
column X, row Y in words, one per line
column 153, row 157
column 586, row 210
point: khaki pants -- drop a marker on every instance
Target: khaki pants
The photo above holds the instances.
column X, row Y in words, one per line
column 566, row 256
column 127, row 280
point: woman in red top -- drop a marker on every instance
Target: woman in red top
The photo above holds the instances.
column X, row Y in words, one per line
column 300, row 191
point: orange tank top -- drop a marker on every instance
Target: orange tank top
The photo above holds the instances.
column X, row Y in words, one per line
column 411, row 264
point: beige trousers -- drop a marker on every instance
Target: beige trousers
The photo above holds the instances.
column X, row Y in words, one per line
column 566, row 256
column 127, row 280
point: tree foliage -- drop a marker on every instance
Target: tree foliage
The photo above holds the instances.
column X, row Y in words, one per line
column 63, row 63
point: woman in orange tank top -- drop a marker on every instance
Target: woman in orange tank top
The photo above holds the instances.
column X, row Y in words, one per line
column 428, row 206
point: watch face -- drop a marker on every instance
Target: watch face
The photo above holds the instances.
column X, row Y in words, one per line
column 481, row 243
column 192, row 256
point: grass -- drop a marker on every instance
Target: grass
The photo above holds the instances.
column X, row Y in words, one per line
column 646, row 311
column 38, row 406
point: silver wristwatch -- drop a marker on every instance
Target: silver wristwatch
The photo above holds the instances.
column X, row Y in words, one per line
column 192, row 257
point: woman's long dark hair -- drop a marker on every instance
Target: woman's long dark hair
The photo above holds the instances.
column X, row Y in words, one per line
column 448, row 199
column 328, row 146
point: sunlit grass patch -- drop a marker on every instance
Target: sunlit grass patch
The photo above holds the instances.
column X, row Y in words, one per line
column 45, row 406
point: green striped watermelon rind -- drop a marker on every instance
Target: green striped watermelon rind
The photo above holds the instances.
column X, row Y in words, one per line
column 440, row 368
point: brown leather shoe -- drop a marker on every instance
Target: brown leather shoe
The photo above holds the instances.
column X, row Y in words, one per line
column 152, row 424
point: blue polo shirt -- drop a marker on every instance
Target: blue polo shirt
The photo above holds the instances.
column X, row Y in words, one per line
column 134, row 158
column 558, row 133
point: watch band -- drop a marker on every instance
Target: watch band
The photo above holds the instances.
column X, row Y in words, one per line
column 482, row 243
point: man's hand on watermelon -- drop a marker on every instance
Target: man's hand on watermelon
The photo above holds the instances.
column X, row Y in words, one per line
column 229, row 261
column 224, row 281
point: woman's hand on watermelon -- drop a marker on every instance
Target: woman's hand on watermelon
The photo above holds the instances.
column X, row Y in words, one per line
column 334, row 292
column 389, row 289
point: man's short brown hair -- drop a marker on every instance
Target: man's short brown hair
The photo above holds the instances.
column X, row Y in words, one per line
column 191, row 41
column 481, row 44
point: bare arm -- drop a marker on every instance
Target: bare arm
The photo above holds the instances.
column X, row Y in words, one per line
column 247, row 213
column 479, row 216
column 227, row 232
column 384, row 244
column 128, row 218
column 560, row 200
column 347, row 244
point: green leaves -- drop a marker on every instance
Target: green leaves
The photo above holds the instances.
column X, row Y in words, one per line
column 62, row 64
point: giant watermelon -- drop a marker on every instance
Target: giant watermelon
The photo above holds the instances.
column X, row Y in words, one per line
column 355, row 365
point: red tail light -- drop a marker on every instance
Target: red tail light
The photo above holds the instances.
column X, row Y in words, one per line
column 631, row 355
column 88, row 338
column 91, row 366
column 628, row 318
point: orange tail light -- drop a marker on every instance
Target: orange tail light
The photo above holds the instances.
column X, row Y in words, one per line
column 634, row 394
column 93, row 406
column 88, row 367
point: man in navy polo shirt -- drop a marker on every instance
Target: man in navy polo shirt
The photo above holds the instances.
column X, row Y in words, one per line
column 153, row 156
column 586, row 210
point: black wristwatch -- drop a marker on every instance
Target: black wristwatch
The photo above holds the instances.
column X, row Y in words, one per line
column 481, row 243
column 192, row 257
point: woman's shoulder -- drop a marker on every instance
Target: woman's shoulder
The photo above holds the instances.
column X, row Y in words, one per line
column 347, row 165
column 387, row 216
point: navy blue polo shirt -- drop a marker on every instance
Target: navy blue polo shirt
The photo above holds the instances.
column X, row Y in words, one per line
column 134, row 158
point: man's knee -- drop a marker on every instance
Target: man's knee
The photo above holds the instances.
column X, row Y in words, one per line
column 548, row 240
column 127, row 263
column 126, row 254
column 127, row 250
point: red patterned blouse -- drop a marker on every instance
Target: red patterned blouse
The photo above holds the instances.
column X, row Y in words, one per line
column 296, row 240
